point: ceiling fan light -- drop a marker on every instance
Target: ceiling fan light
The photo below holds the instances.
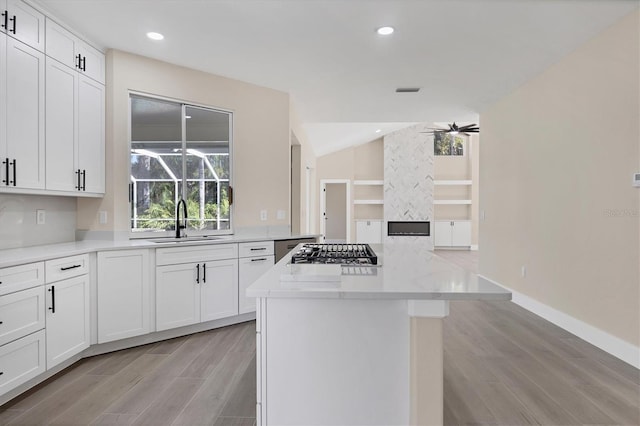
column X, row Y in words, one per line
column 385, row 30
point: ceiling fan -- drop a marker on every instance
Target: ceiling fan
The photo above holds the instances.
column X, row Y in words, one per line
column 454, row 129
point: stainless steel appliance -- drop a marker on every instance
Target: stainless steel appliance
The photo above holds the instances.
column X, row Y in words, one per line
column 342, row 254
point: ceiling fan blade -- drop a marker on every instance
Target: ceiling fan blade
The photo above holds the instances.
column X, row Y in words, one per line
column 468, row 126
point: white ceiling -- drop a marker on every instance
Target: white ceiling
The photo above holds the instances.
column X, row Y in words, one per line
column 341, row 75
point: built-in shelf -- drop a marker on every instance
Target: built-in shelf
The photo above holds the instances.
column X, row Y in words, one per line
column 451, row 202
column 368, row 201
column 368, row 182
column 452, row 182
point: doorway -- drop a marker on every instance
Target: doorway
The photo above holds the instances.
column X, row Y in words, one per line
column 335, row 211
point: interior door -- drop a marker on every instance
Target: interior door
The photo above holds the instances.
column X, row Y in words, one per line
column 335, row 213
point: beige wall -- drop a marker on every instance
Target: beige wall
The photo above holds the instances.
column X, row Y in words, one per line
column 557, row 160
column 307, row 175
column 362, row 162
column 260, row 146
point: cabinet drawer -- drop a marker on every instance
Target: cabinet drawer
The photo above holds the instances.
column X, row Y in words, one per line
column 21, row 277
column 21, row 313
column 259, row 248
column 21, row 361
column 203, row 253
column 66, row 267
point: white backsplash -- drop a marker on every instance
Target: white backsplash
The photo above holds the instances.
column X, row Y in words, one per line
column 18, row 226
column 408, row 180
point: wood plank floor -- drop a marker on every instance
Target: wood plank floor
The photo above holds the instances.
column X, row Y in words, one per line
column 503, row 366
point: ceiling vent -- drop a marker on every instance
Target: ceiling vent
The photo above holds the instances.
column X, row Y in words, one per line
column 407, row 89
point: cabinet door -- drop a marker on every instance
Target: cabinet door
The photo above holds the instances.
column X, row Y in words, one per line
column 91, row 134
column 21, row 313
column 177, row 295
column 219, row 290
column 26, row 24
column 67, row 319
column 61, row 137
column 442, row 233
column 461, row 233
column 21, row 361
column 92, row 62
column 25, row 115
column 3, row 109
column 123, row 294
column 249, row 270
column 61, row 44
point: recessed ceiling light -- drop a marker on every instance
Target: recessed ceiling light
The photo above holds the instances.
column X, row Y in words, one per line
column 385, row 30
column 378, row 130
column 155, row 36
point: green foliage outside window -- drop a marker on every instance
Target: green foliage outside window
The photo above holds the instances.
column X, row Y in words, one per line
column 447, row 144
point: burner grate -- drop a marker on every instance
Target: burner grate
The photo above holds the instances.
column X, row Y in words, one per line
column 360, row 254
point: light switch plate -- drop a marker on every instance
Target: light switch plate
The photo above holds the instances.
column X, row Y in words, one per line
column 102, row 217
column 40, row 217
column 263, row 215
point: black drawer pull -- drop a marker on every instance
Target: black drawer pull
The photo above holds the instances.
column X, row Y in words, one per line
column 14, row 172
column 1, row 322
column 260, row 259
column 53, row 299
column 1, row 373
column 198, row 273
column 14, row 20
column 6, row 169
column 84, row 180
column 5, row 15
column 70, row 267
column 258, row 248
column 204, row 272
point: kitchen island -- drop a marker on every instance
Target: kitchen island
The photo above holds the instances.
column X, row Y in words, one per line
column 360, row 344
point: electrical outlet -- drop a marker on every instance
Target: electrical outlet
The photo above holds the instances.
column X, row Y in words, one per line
column 523, row 271
column 282, row 215
column 263, row 215
column 102, row 217
column 40, row 217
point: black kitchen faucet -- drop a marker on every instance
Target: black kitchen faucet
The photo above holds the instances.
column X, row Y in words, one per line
column 184, row 214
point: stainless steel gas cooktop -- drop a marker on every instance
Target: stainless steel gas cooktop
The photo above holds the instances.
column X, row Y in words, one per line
column 341, row 254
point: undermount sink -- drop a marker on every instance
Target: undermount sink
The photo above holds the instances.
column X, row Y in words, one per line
column 191, row 239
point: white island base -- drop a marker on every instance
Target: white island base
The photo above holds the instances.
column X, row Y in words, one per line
column 349, row 361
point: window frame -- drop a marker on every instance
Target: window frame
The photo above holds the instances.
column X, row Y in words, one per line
column 183, row 104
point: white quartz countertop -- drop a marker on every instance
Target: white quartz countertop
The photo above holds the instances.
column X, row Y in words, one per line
column 19, row 256
column 404, row 273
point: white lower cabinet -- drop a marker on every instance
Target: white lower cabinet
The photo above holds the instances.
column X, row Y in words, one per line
column 249, row 270
column 67, row 318
column 22, row 360
column 124, row 294
column 196, row 292
column 452, row 233
column 22, row 313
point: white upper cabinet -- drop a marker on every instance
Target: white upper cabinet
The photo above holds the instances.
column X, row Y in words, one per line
column 22, row 22
column 65, row 47
column 23, row 153
column 74, row 131
column 90, row 124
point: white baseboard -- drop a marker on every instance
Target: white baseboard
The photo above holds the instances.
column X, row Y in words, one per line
column 609, row 343
column 474, row 247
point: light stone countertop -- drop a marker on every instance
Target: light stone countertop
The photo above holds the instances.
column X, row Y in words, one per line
column 23, row 255
column 403, row 273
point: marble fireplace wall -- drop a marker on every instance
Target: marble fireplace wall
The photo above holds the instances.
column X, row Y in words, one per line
column 408, row 181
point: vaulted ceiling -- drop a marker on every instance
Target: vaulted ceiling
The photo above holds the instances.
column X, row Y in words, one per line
column 341, row 75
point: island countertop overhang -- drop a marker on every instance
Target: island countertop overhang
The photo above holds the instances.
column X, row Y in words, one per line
column 403, row 274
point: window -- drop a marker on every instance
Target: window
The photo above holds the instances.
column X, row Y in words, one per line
column 179, row 151
column 447, row 144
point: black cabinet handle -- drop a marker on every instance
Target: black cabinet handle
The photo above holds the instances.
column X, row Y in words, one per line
column 1, row 373
column 6, row 167
column 78, row 179
column 70, row 267
column 204, row 272
column 78, row 56
column 198, row 274
column 84, row 180
column 83, row 62
column 14, row 20
column 260, row 259
column 1, row 322
column 5, row 16
column 258, row 248
column 53, row 299
column 14, row 172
